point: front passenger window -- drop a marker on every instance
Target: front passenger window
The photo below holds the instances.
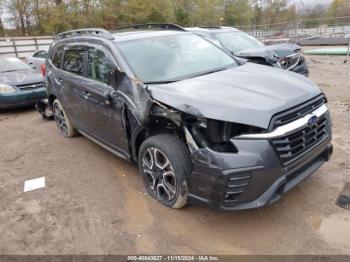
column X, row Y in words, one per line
column 99, row 66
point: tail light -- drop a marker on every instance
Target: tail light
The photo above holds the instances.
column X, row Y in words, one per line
column 43, row 69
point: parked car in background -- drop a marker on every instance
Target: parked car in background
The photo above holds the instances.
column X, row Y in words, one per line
column 202, row 125
column 20, row 84
column 36, row 59
column 284, row 56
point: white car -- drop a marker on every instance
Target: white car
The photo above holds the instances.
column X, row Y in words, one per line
column 36, row 59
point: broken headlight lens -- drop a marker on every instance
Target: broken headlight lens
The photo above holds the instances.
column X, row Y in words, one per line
column 217, row 134
column 283, row 62
column 4, row 89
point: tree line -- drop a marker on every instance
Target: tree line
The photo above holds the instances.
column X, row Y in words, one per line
column 49, row 17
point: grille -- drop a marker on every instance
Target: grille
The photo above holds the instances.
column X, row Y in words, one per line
column 297, row 112
column 236, row 184
column 291, row 146
column 31, row 86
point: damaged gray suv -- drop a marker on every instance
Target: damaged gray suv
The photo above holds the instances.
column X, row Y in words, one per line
column 202, row 126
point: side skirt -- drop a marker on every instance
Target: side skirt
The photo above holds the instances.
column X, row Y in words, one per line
column 113, row 151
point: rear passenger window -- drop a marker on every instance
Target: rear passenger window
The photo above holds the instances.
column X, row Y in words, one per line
column 99, row 66
column 74, row 61
column 57, row 57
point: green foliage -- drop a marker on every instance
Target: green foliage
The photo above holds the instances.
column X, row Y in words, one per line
column 182, row 17
column 32, row 17
column 238, row 12
column 155, row 16
column 338, row 8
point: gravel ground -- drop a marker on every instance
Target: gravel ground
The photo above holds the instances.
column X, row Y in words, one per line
column 94, row 202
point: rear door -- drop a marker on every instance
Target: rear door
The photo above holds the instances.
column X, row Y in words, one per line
column 72, row 81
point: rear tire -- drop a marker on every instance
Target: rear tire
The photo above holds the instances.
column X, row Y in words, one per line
column 164, row 162
column 63, row 123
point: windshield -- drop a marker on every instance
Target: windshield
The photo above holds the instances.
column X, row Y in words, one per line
column 238, row 41
column 8, row 64
column 173, row 58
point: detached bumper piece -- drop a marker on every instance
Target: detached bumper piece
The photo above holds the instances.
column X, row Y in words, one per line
column 344, row 198
column 44, row 109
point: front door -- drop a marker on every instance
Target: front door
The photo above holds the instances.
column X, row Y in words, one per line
column 105, row 120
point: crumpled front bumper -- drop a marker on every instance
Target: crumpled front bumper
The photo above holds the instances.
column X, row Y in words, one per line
column 254, row 176
column 301, row 68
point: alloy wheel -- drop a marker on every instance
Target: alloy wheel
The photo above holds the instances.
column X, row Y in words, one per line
column 159, row 174
column 60, row 119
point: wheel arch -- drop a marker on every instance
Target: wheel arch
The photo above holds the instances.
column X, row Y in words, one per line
column 156, row 125
column 51, row 98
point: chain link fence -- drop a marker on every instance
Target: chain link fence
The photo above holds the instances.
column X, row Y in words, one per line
column 333, row 31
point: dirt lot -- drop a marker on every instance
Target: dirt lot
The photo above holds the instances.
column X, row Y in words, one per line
column 94, row 203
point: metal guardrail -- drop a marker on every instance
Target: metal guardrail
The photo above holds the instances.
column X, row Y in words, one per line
column 303, row 29
column 23, row 46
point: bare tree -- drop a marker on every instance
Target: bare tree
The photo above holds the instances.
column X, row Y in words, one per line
column 2, row 30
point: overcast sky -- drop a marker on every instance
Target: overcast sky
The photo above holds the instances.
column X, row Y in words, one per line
column 311, row 2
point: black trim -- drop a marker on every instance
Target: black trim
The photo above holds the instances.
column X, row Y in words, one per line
column 160, row 26
column 98, row 32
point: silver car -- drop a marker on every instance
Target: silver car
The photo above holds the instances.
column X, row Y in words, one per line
column 36, row 59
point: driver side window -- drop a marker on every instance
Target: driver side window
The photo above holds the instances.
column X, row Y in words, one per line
column 99, row 66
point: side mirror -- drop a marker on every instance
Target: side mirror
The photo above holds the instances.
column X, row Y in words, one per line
column 112, row 78
column 109, row 95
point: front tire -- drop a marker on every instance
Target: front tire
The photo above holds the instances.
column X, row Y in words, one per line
column 63, row 123
column 164, row 163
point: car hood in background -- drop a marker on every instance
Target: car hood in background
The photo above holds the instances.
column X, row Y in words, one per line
column 21, row 77
column 249, row 94
column 269, row 51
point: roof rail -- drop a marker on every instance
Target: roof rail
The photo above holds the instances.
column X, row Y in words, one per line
column 166, row 26
column 210, row 27
column 86, row 31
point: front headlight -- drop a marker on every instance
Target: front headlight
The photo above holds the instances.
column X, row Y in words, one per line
column 6, row 89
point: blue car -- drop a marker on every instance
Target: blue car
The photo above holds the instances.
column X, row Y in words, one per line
column 20, row 85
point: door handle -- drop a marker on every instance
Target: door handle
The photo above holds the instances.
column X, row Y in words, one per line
column 86, row 94
column 59, row 80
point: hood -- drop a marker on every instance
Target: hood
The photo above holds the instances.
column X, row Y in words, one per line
column 249, row 94
column 283, row 49
column 269, row 51
column 24, row 77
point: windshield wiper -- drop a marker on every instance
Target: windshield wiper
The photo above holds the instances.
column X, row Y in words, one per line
column 212, row 71
column 189, row 76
